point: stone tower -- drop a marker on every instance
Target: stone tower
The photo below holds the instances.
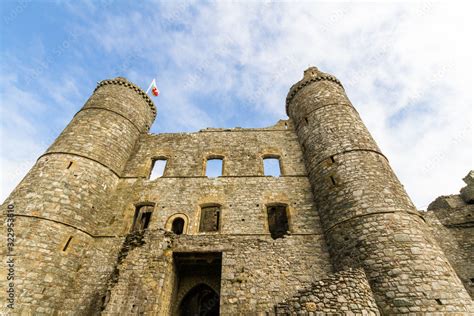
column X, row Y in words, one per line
column 62, row 200
column 367, row 217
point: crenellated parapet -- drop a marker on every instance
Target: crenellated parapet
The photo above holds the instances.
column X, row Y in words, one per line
column 312, row 74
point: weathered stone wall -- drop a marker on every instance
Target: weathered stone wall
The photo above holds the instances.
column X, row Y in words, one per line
column 257, row 271
column 74, row 211
column 64, row 198
column 367, row 217
column 345, row 292
column 451, row 221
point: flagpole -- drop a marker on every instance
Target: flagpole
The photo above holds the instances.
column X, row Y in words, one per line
column 149, row 87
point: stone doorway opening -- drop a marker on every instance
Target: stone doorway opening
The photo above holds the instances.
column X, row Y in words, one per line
column 198, row 279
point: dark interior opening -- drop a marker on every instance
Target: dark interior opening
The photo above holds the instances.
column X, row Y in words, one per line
column 209, row 219
column 277, row 220
column 198, row 283
column 178, row 226
column 142, row 217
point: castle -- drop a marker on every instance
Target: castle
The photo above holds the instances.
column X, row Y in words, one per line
column 91, row 233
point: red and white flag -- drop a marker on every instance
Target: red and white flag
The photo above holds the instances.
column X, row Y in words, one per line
column 153, row 88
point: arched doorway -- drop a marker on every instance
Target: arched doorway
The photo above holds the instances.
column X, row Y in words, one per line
column 201, row 300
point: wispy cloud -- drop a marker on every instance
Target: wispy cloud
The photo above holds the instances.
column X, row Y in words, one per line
column 406, row 67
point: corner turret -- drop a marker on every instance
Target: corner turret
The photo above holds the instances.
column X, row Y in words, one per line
column 367, row 216
column 61, row 204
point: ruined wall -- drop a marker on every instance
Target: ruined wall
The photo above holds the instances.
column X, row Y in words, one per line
column 76, row 252
column 257, row 271
column 451, row 221
column 343, row 292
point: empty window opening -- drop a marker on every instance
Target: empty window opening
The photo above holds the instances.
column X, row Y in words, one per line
column 214, row 167
column 472, row 280
column 142, row 217
column 332, row 159
column 333, row 181
column 286, row 125
column 66, row 245
column 158, row 168
column 198, row 279
column 277, row 220
column 439, row 301
column 178, row 226
column 209, row 219
column 69, row 165
column 271, row 167
column 306, row 120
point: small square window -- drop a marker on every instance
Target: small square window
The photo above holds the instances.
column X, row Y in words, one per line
column 271, row 167
column 209, row 219
column 157, row 168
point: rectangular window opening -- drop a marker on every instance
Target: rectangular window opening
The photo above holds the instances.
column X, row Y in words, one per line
column 142, row 217
column 158, row 168
column 69, row 165
column 146, row 219
column 277, row 221
column 333, row 181
column 67, row 243
column 271, row 167
column 214, row 167
column 210, row 217
column 332, row 159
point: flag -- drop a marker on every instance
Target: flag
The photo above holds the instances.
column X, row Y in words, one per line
column 153, row 88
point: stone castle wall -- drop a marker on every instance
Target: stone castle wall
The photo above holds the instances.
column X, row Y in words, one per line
column 355, row 242
column 257, row 271
column 451, row 220
column 343, row 292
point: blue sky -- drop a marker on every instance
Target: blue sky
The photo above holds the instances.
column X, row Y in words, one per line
column 407, row 67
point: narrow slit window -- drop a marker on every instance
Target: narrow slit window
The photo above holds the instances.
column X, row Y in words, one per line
column 214, row 167
column 69, row 165
column 66, row 245
column 277, row 220
column 178, row 226
column 142, row 217
column 158, row 168
column 271, row 167
column 210, row 216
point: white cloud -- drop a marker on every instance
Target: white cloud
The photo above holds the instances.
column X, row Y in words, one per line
column 407, row 68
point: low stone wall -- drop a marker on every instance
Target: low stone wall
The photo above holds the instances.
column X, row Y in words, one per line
column 346, row 292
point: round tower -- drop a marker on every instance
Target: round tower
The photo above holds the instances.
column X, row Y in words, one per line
column 61, row 203
column 368, row 218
